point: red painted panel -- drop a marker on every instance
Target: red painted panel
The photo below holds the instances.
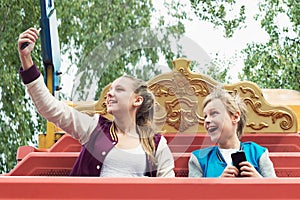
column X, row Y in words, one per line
column 147, row 188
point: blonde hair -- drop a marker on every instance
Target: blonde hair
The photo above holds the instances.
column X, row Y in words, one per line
column 144, row 116
column 232, row 102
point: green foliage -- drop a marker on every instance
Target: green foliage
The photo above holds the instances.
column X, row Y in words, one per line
column 16, row 125
column 113, row 38
column 217, row 11
column 218, row 69
column 84, row 25
column 274, row 64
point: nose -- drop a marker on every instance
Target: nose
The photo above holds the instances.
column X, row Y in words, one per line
column 109, row 93
column 207, row 119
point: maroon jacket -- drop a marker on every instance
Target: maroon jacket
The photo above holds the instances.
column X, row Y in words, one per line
column 92, row 154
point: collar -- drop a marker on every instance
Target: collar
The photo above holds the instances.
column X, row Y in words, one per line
column 219, row 155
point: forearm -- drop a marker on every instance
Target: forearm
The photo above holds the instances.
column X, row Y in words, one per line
column 77, row 124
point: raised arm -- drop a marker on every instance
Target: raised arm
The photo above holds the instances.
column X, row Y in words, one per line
column 77, row 124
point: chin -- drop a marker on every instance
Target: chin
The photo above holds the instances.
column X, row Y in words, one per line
column 109, row 111
column 214, row 138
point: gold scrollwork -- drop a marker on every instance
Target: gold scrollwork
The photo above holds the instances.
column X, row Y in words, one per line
column 250, row 90
column 180, row 118
column 180, row 86
column 200, row 87
column 274, row 114
column 286, row 124
column 162, row 88
column 260, row 126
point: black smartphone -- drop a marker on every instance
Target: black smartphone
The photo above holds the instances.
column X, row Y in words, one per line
column 237, row 158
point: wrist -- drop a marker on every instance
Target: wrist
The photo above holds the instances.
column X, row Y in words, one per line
column 30, row 74
column 26, row 62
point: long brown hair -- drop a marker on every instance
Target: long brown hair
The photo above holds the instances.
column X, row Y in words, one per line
column 144, row 116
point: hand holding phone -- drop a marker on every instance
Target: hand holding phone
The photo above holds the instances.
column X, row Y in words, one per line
column 237, row 158
column 24, row 45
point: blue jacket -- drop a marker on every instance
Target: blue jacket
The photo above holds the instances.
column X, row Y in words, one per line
column 213, row 163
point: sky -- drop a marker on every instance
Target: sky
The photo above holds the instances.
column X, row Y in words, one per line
column 211, row 39
column 202, row 37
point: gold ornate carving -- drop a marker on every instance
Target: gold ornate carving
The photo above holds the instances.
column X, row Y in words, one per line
column 274, row 114
column 179, row 95
column 201, row 87
column 181, row 113
column 180, row 86
column 285, row 124
column 258, row 127
column 249, row 90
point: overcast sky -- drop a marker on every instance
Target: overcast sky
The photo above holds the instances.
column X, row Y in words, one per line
column 204, row 38
column 211, row 39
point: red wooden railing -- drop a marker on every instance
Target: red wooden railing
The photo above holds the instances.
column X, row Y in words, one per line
column 43, row 174
column 60, row 164
column 184, row 143
column 147, row 188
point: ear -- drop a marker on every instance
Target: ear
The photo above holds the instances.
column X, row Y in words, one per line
column 236, row 117
column 138, row 101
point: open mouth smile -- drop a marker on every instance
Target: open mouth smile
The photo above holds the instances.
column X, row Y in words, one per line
column 211, row 129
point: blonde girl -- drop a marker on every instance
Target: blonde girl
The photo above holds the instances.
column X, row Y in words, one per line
column 124, row 147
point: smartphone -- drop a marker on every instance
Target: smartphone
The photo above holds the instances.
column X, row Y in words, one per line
column 237, row 158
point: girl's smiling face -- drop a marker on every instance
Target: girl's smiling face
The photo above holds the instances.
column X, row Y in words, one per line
column 120, row 97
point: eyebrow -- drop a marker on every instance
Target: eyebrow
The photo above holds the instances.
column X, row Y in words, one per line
column 117, row 86
column 211, row 109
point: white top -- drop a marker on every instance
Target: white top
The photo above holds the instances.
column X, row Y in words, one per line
column 226, row 153
column 125, row 163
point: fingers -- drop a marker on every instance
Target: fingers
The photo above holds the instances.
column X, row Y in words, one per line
column 230, row 172
column 26, row 43
column 247, row 170
column 27, row 38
